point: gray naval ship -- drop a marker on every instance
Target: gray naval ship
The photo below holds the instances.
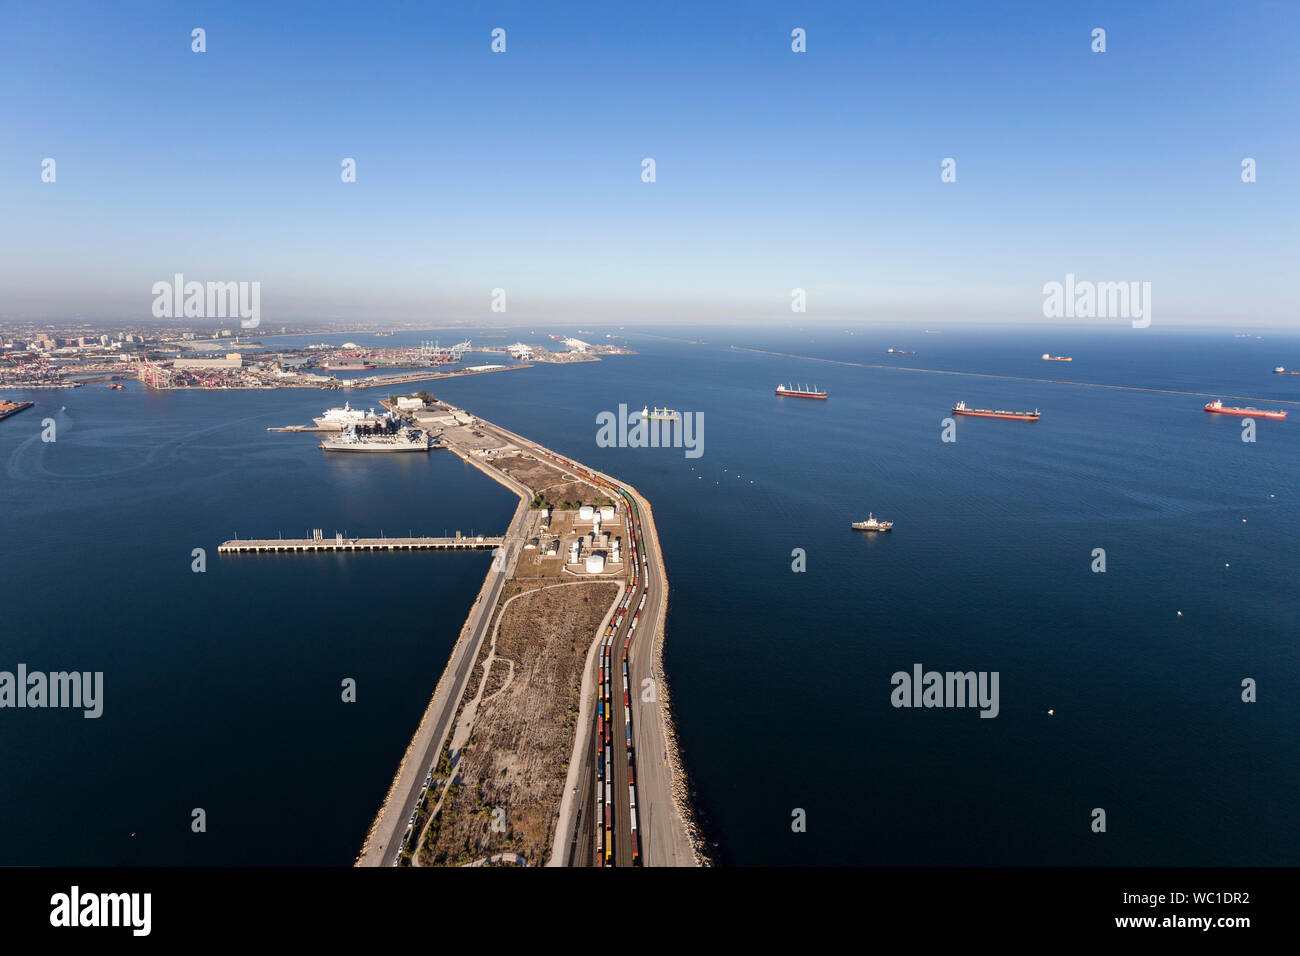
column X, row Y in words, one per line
column 388, row 438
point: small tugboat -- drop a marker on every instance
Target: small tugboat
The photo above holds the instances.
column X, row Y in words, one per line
column 871, row 524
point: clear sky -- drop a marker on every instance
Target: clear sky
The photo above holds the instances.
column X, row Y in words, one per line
column 775, row 169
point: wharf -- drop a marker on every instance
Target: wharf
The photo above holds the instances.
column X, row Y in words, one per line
column 340, row 543
column 12, row 408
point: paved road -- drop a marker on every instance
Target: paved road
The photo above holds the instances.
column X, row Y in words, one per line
column 422, row 753
column 664, row 840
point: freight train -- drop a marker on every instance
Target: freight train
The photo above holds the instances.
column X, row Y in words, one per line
column 604, row 715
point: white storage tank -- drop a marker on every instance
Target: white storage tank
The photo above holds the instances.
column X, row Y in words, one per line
column 595, row 563
column 586, row 513
column 606, row 513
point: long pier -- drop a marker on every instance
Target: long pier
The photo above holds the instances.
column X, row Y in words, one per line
column 341, row 543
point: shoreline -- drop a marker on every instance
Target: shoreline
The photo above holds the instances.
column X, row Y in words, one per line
column 401, row 784
column 678, row 782
column 679, row 779
column 687, row 836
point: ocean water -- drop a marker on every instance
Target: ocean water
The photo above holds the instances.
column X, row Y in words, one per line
column 223, row 687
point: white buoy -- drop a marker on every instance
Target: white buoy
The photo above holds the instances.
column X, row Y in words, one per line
column 1051, row 713
column 1180, row 613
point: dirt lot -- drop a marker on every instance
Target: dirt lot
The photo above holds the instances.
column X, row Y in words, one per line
column 549, row 480
column 518, row 752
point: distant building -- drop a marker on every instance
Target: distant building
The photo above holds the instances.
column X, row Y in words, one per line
column 232, row 361
column 410, row 404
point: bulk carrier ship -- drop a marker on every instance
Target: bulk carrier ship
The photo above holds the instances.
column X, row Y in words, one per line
column 1218, row 408
column 800, row 391
column 961, row 409
column 660, row 414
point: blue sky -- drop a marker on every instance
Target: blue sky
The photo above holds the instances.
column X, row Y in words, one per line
column 775, row 170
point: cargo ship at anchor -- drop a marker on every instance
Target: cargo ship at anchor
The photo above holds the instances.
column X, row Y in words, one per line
column 1283, row 370
column 800, row 391
column 961, row 409
column 1218, row 408
column 660, row 414
column 1057, row 358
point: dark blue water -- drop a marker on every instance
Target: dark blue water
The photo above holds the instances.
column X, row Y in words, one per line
column 224, row 687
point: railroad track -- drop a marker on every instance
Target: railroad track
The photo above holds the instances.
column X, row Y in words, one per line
column 614, row 829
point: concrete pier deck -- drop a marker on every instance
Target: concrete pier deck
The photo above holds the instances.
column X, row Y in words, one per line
column 475, row 543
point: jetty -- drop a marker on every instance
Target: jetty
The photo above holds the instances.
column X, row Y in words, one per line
column 342, row 543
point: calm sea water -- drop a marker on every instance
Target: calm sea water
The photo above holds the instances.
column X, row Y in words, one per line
column 223, row 687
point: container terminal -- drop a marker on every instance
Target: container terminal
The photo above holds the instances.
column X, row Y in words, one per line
column 12, row 408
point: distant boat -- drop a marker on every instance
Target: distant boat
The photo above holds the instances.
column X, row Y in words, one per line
column 801, row 391
column 660, row 414
column 931, row 331
column 1219, row 408
column 402, row 440
column 1280, row 370
column 961, row 409
column 900, row 352
column 871, row 524
column 1056, row 358
column 347, row 415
